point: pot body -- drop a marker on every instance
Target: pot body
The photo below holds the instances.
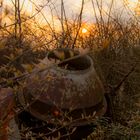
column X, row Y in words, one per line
column 56, row 90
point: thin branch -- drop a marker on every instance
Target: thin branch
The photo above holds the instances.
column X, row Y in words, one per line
column 80, row 22
column 26, row 74
column 125, row 77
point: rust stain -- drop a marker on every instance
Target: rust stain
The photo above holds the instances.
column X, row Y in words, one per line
column 66, row 89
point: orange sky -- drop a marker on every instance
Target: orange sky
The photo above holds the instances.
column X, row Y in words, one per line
column 72, row 8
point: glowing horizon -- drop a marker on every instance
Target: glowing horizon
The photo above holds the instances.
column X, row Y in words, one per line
column 72, row 8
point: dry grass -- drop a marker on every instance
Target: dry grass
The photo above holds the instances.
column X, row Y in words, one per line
column 115, row 50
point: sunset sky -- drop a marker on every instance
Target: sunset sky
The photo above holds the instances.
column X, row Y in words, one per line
column 72, row 8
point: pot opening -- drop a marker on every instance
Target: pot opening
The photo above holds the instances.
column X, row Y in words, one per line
column 81, row 63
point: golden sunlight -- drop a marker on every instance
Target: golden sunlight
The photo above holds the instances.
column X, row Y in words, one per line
column 132, row 3
column 44, row 17
column 135, row 6
column 26, row 5
column 84, row 30
column 133, row 0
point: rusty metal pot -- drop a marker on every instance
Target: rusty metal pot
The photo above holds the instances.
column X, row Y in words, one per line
column 62, row 94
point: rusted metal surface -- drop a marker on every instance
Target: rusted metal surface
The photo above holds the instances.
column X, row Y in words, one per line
column 64, row 89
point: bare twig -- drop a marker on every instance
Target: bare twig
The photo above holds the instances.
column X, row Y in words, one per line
column 80, row 22
column 25, row 75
